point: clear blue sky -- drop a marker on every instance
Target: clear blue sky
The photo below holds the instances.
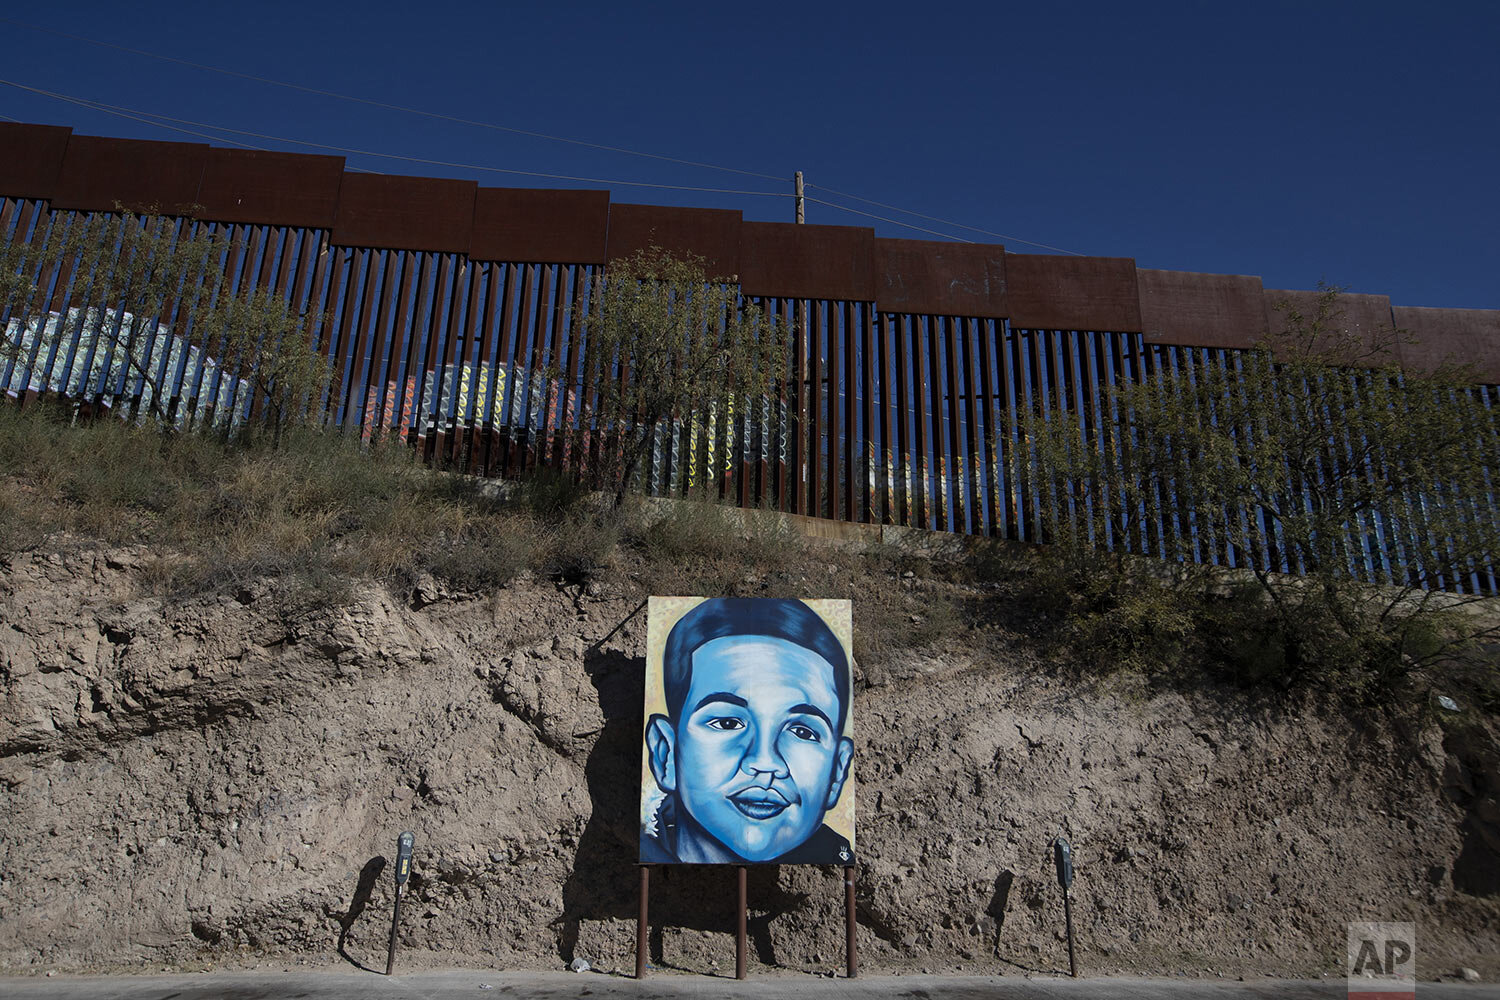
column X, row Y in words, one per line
column 1354, row 142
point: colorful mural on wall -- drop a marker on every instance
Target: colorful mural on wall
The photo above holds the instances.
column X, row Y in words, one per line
column 747, row 751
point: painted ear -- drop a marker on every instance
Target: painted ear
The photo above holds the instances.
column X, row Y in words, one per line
column 843, row 758
column 661, row 748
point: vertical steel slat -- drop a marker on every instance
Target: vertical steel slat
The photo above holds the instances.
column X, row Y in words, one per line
column 905, row 464
column 392, row 392
column 143, row 378
column 562, row 393
column 515, row 278
column 922, row 506
column 488, row 369
column 867, row 443
column 385, row 342
column 890, row 459
column 814, row 473
column 412, row 377
column 957, row 464
column 61, row 279
column 974, row 452
column 131, row 373
column 553, row 415
column 18, row 236
column 789, row 411
column 362, row 348
column 519, row 376
column 994, row 502
column 355, row 347
column 856, row 479
column 46, row 299
column 461, row 448
column 202, row 413
column 446, row 377
column 1017, row 452
column 185, row 330
column 834, row 361
column 438, row 288
column 240, row 260
column 1093, row 433
column 223, row 381
column 536, row 329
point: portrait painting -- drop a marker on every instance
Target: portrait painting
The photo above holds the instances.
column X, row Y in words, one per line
column 748, row 748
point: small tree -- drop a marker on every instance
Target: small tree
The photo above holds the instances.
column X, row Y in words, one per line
column 129, row 286
column 262, row 348
column 1355, row 500
column 667, row 342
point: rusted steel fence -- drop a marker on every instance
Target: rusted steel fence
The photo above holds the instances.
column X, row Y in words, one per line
column 450, row 315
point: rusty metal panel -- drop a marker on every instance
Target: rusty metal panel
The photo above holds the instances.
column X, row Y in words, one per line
column 540, row 226
column 137, row 173
column 392, row 212
column 1201, row 310
column 1470, row 336
column 31, row 159
column 953, row 279
column 272, row 189
column 1049, row 292
column 810, row 262
column 1365, row 318
column 713, row 234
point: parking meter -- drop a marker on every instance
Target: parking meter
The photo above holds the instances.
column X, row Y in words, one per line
column 403, row 857
column 1062, row 857
column 403, row 871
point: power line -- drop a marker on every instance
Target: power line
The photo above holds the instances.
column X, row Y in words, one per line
column 516, row 131
column 881, row 218
column 933, row 218
column 126, row 112
column 389, row 107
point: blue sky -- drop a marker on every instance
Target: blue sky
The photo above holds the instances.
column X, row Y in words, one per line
column 1357, row 143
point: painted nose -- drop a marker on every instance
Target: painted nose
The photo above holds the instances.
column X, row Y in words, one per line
column 764, row 760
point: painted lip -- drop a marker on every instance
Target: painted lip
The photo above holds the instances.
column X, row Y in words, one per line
column 759, row 803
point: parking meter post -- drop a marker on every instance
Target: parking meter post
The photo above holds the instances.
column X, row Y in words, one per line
column 1062, row 857
column 739, row 925
column 851, row 942
column 642, row 923
column 403, row 871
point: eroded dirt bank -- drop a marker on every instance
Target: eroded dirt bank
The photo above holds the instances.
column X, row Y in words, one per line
column 222, row 779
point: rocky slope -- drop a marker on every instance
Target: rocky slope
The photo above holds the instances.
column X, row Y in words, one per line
column 222, row 778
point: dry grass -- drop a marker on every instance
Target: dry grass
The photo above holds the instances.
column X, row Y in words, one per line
column 321, row 511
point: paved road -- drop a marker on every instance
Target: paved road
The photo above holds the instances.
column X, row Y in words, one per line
column 546, row 986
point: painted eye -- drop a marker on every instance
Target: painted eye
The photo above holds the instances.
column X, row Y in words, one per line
column 725, row 724
column 804, row 733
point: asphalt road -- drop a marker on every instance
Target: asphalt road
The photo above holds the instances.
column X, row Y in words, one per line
column 545, row 986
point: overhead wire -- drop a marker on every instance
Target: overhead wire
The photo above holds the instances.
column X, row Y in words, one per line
column 126, row 112
column 147, row 117
column 881, row 218
column 439, row 116
column 933, row 218
column 131, row 113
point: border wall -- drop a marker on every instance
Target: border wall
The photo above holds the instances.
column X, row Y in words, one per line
column 449, row 319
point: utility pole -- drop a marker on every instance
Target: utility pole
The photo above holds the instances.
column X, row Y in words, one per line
column 797, row 187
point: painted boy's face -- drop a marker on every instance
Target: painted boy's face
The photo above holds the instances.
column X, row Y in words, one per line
column 757, row 758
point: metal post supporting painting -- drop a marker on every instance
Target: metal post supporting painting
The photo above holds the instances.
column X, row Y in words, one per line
column 642, row 923
column 403, row 869
column 851, row 946
column 739, row 927
column 1062, row 855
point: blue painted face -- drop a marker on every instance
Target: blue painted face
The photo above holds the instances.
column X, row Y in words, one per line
column 757, row 759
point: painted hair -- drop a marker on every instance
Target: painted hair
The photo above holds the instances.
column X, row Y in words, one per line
column 779, row 619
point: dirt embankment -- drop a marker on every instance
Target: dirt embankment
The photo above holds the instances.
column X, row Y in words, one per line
column 222, row 779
